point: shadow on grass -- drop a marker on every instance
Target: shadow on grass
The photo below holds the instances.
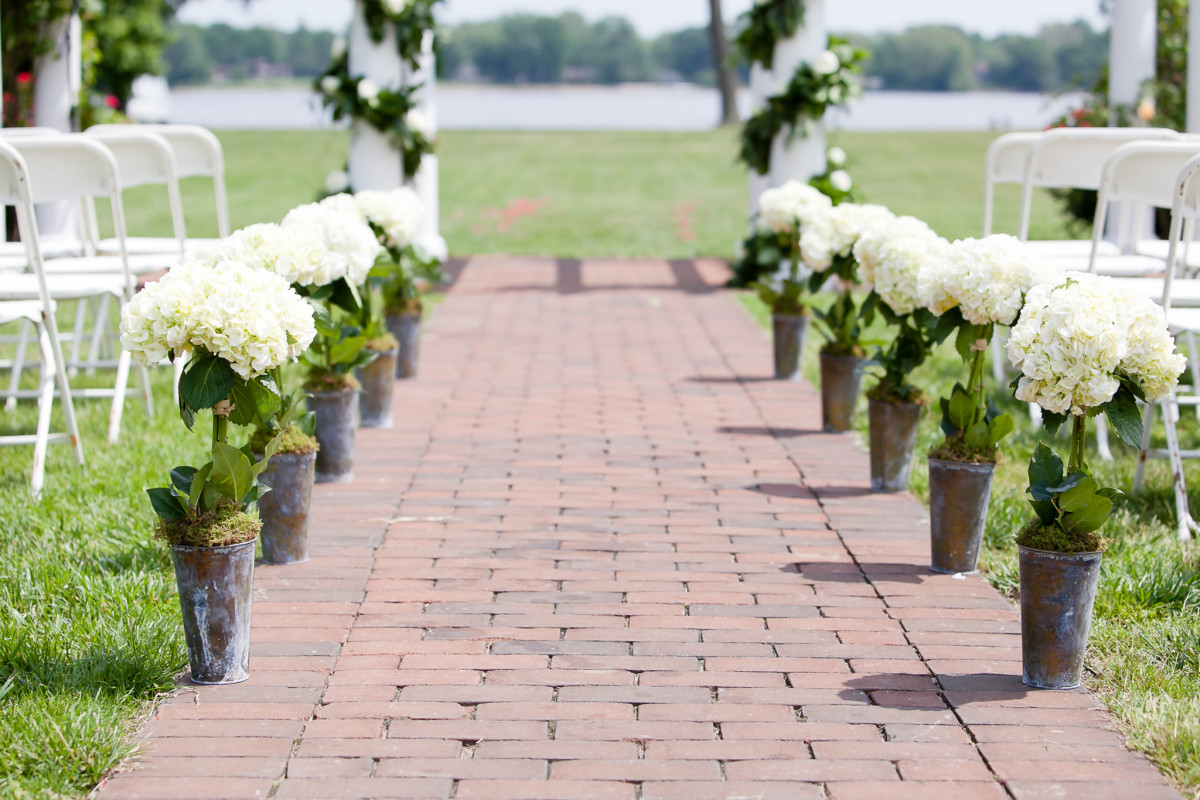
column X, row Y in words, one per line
column 778, row 433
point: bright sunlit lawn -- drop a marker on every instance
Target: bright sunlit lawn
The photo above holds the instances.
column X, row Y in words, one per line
column 1144, row 654
column 89, row 623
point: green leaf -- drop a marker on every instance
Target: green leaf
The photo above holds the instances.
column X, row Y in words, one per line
column 1126, row 418
column 166, row 505
column 346, row 350
column 1047, row 512
column 1000, row 427
column 345, row 296
column 306, row 423
column 977, row 436
column 199, row 480
column 1079, row 496
column 1091, row 517
column 269, row 450
column 232, row 472
column 962, row 409
column 206, row 382
column 1045, row 471
column 1052, row 421
column 967, row 334
column 181, row 479
column 253, row 401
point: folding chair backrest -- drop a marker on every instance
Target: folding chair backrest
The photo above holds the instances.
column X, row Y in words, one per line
column 15, row 191
column 1185, row 204
column 1005, row 163
column 73, row 167
column 14, row 133
column 1141, row 173
column 1074, row 158
column 198, row 153
column 143, row 158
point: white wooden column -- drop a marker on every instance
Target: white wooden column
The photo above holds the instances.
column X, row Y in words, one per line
column 760, row 89
column 426, row 181
column 804, row 157
column 1193, row 68
column 1132, row 49
column 58, row 76
column 373, row 163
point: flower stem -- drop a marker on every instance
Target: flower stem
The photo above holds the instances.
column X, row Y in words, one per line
column 220, row 429
column 1078, row 441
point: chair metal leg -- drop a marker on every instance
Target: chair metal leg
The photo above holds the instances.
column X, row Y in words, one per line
column 14, row 380
column 147, row 393
column 118, row 401
column 99, row 334
column 77, row 334
column 45, row 404
column 1194, row 365
column 1139, row 475
column 1102, row 448
column 1183, row 517
column 64, row 389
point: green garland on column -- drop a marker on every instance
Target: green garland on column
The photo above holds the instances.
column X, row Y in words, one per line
column 829, row 80
column 765, row 24
column 410, row 18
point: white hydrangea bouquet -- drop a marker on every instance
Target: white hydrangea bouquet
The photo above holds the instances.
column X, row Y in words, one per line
column 827, row 247
column 787, row 211
column 977, row 285
column 348, row 249
column 400, row 279
column 891, row 257
column 238, row 325
column 1085, row 347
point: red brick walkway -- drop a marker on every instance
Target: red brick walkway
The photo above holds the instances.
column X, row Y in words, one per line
column 600, row 556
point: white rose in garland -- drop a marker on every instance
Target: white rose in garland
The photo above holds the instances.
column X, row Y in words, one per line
column 340, row 227
column 422, row 123
column 1086, row 345
column 826, row 63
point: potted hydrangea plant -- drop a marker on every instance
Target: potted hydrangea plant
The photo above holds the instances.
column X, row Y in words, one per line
column 400, row 275
column 1084, row 348
column 350, row 250
column 236, row 324
column 979, row 284
column 303, row 261
column 827, row 246
column 785, row 211
column 891, row 257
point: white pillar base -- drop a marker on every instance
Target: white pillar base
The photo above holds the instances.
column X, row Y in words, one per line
column 59, row 77
column 802, row 157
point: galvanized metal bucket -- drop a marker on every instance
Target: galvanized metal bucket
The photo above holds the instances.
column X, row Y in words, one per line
column 840, row 380
column 335, row 434
column 958, row 501
column 789, row 333
column 375, row 401
column 406, row 328
column 215, row 595
column 1058, row 591
column 893, row 436
column 284, row 509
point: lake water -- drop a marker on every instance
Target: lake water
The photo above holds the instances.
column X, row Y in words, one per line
column 628, row 107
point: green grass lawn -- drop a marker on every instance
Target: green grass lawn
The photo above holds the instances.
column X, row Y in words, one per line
column 1144, row 655
column 578, row 195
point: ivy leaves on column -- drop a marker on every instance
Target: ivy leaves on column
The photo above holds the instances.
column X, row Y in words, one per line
column 391, row 111
column 765, row 24
column 829, row 80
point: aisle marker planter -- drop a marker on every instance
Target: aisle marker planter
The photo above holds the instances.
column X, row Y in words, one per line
column 789, row 334
column 841, row 377
column 215, row 596
column 958, row 502
column 892, row 433
column 285, row 509
column 378, row 381
column 406, row 327
column 1058, row 592
column 335, row 434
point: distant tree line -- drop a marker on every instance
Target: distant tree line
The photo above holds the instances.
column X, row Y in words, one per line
column 526, row 48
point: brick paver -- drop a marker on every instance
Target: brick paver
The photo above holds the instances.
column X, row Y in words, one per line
column 602, row 556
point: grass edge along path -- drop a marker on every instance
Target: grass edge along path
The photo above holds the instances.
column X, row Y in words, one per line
column 1143, row 657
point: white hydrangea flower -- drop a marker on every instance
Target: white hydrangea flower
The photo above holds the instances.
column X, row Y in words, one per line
column 337, row 181
column 329, row 85
column 841, row 180
column 791, row 205
column 826, row 63
column 836, row 156
column 891, row 256
column 986, row 278
column 420, row 122
column 395, row 7
column 250, row 317
column 342, row 230
column 296, row 255
column 398, row 213
column 834, row 233
column 1074, row 336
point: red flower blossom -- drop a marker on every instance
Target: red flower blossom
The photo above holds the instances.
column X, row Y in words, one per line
column 24, row 77
column 110, row 100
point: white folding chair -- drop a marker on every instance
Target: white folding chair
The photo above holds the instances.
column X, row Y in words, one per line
column 198, row 153
column 12, row 254
column 14, row 190
column 1006, row 158
column 75, row 167
column 1185, row 207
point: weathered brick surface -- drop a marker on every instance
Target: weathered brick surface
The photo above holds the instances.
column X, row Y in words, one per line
column 601, row 556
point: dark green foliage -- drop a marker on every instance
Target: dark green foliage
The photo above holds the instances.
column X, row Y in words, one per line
column 764, row 25
column 1070, row 508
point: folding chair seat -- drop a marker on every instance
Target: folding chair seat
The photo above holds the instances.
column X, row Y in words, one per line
column 38, row 313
